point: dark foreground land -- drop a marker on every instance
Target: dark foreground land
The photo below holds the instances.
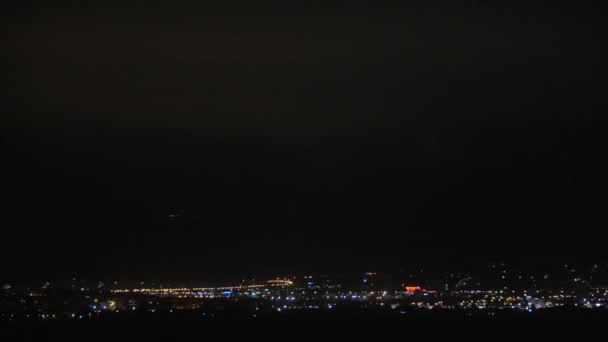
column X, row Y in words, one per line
column 471, row 325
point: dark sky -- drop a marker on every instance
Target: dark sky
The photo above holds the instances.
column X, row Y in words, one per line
column 340, row 135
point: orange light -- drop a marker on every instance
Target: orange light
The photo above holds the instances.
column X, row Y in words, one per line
column 412, row 288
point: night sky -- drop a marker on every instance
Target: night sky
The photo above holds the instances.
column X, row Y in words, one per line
column 331, row 136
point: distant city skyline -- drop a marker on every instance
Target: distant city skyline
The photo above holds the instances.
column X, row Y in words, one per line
column 494, row 292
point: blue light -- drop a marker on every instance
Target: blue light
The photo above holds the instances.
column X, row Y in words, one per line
column 227, row 293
